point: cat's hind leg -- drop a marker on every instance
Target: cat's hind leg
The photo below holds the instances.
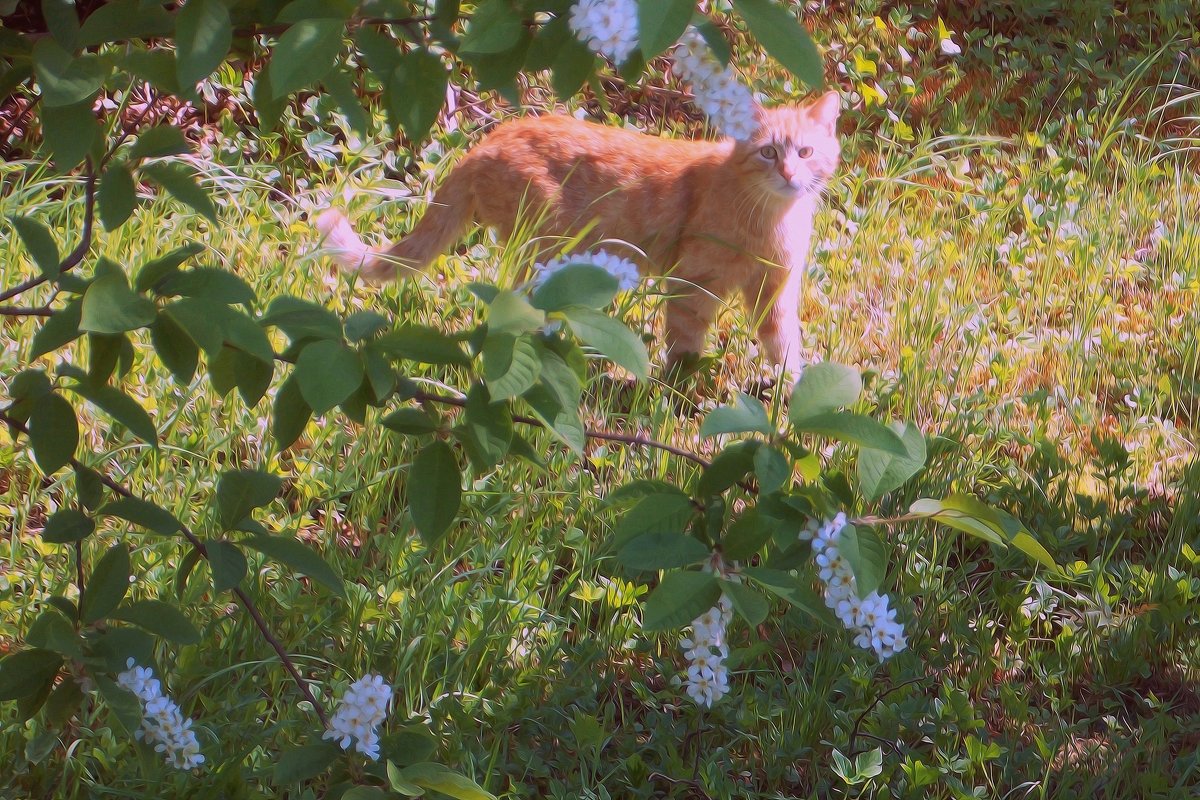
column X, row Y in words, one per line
column 774, row 306
column 691, row 309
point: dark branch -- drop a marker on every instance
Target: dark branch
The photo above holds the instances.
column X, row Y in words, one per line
column 76, row 255
column 247, row 603
column 13, row 311
column 610, row 436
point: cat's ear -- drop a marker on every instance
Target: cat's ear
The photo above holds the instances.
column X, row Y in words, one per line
column 825, row 110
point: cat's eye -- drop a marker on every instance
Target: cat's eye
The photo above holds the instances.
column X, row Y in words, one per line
column 805, row 151
column 768, row 152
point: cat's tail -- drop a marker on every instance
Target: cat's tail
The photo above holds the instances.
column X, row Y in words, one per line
column 452, row 209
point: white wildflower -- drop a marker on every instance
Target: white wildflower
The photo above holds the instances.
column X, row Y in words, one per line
column 950, row 48
column 624, row 270
column 608, row 27
column 871, row 618
column 359, row 714
column 707, row 676
column 1041, row 603
column 163, row 724
column 727, row 102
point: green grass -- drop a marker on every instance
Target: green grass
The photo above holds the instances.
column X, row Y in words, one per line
column 517, row 640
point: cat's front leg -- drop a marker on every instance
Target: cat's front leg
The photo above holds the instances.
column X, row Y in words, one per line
column 775, row 306
column 690, row 312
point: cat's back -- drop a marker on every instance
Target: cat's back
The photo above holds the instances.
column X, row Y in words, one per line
column 562, row 138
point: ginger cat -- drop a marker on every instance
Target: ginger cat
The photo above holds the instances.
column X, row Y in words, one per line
column 717, row 217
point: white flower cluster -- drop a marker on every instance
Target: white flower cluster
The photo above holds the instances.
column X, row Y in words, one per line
column 707, row 675
column 163, row 724
column 726, row 100
column 362, row 709
column 624, row 270
column 609, row 27
column 870, row 617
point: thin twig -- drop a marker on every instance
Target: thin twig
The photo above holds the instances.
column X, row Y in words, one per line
column 243, row 598
column 13, row 311
column 854, row 732
column 76, row 255
column 591, row 433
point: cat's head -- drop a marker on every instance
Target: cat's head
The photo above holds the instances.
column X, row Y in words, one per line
column 795, row 149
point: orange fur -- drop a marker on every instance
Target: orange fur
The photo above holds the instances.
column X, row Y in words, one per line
column 717, row 217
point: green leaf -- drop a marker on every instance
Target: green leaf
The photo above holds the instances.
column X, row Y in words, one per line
column 300, row 319
column 158, row 269
column 117, row 197
column 866, row 555
column 573, row 65
column 144, row 514
column 65, row 79
column 153, row 66
column 161, row 619
column 69, row 133
column 663, row 550
column 747, row 414
column 434, row 490
column 60, row 329
column 124, row 20
column 340, row 86
column 576, row 285
column 494, row 28
column 486, row 429
column 563, row 421
column 966, row 513
column 771, row 468
column 679, row 599
column 64, row 701
column 731, row 465
column 658, row 512
column 776, row 28
column 417, row 92
column 290, row 414
column 62, row 20
column 203, row 35
column 364, row 324
column 511, row 365
column 792, row 589
column 411, row 421
column 714, row 37
column 854, row 428
column 67, row 525
column 123, row 703
column 110, row 306
column 305, row 54
column 212, row 283
column 107, row 584
column 747, row 534
column 181, row 183
column 175, row 348
column 328, row 372
column 161, row 140
column 512, row 314
column 661, row 23
column 88, row 487
column 611, row 338
column 304, row 763
column 823, row 388
column 53, row 631
column 53, row 433
column 241, row 491
column 751, row 605
column 121, row 407
column 429, row 775
column 25, row 673
column 880, row 472
column 227, row 563
column 422, row 344
column 299, row 557
column 364, row 793
column 408, row 745
column 40, row 244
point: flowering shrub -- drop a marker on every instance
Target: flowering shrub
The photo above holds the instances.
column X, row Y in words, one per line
column 101, row 322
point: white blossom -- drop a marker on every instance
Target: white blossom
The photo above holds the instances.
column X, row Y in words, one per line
column 359, row 714
column 706, row 651
column 608, row 27
column 726, row 101
column 163, row 725
column 871, row 618
column 624, row 270
column 949, row 47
